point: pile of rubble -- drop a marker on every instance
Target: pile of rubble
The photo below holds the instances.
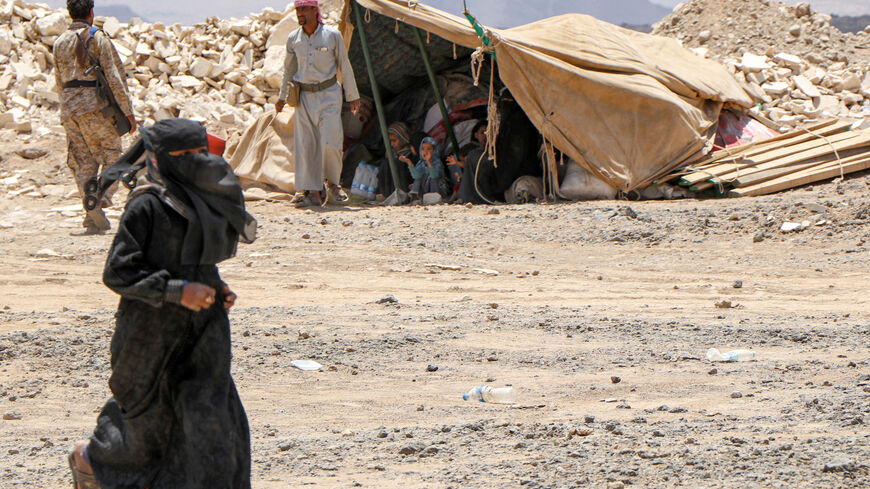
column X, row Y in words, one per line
column 226, row 72
column 791, row 58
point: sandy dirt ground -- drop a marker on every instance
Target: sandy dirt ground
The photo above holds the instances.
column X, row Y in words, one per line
column 598, row 314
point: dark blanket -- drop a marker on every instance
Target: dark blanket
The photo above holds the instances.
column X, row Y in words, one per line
column 175, row 419
column 517, row 147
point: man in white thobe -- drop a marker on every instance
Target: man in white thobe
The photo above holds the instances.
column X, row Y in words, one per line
column 315, row 55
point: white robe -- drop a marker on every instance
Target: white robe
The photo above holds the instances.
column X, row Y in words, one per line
column 318, row 137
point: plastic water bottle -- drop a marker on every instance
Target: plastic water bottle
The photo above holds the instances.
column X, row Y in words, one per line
column 485, row 393
column 372, row 182
column 357, row 178
column 713, row 355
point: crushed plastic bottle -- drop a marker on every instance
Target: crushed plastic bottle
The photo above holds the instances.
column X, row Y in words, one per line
column 713, row 355
column 485, row 393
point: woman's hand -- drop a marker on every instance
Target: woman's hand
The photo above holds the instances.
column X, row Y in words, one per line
column 229, row 297
column 196, row 296
column 405, row 159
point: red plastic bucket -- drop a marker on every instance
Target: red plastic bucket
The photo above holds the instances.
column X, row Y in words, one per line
column 216, row 145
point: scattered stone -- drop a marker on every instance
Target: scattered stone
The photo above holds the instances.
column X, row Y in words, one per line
column 412, row 448
column 736, row 395
column 840, row 464
column 432, row 368
column 387, row 299
column 31, row 153
column 614, row 379
column 12, row 416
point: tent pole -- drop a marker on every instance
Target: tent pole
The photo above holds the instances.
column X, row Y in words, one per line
column 376, row 94
column 444, row 115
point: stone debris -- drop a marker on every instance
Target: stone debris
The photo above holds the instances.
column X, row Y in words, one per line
column 221, row 71
column 799, row 67
column 227, row 72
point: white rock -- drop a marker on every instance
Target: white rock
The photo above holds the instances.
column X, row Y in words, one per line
column 806, row 86
column 850, row 81
column 788, row 59
column 143, row 49
column 752, row 63
column 53, row 24
column 185, row 81
column 279, row 34
column 201, row 68
column 251, row 90
column 815, row 75
column 242, row 27
column 6, row 81
column 852, row 98
column 5, row 42
column 757, row 77
column 7, row 9
column 273, row 67
column 788, row 227
column 152, row 63
column 828, row 104
column 123, row 51
column 111, row 26
column 775, row 88
column 20, row 101
column 6, row 119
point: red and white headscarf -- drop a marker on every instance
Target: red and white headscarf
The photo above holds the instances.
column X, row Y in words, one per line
column 310, row 3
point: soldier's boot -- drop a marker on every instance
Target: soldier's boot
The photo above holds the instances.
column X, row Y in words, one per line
column 97, row 218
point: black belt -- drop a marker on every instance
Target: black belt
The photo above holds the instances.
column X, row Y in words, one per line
column 80, row 84
column 316, row 87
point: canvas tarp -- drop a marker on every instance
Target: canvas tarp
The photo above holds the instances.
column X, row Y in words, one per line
column 263, row 156
column 628, row 106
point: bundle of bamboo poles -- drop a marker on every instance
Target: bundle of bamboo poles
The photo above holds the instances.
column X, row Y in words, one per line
column 818, row 152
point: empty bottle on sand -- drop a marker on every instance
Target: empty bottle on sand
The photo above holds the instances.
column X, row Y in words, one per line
column 713, row 355
column 485, row 393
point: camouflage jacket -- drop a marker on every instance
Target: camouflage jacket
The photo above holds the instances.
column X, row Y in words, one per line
column 81, row 100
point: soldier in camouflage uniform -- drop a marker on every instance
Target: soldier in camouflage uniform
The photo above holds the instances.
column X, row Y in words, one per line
column 93, row 142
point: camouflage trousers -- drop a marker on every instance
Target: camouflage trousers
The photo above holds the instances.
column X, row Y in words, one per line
column 93, row 145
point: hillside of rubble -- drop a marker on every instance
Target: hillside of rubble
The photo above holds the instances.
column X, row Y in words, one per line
column 225, row 71
column 228, row 71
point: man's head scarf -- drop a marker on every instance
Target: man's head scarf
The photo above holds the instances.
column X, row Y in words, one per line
column 201, row 187
column 310, row 3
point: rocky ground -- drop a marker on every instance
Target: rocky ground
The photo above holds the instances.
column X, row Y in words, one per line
column 598, row 313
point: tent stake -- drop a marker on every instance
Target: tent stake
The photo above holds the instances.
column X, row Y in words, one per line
column 444, row 115
column 376, row 94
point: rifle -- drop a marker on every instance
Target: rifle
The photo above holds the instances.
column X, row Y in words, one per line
column 104, row 91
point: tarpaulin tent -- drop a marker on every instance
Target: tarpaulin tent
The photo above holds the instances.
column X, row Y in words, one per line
column 628, row 106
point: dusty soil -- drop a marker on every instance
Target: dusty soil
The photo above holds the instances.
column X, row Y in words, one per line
column 555, row 300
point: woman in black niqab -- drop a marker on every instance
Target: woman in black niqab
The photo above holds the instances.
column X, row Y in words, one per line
column 175, row 419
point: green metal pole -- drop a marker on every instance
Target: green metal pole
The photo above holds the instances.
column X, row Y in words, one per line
column 431, row 73
column 376, row 94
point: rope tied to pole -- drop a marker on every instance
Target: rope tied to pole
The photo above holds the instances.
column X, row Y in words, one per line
column 477, row 59
column 493, row 121
column 368, row 16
